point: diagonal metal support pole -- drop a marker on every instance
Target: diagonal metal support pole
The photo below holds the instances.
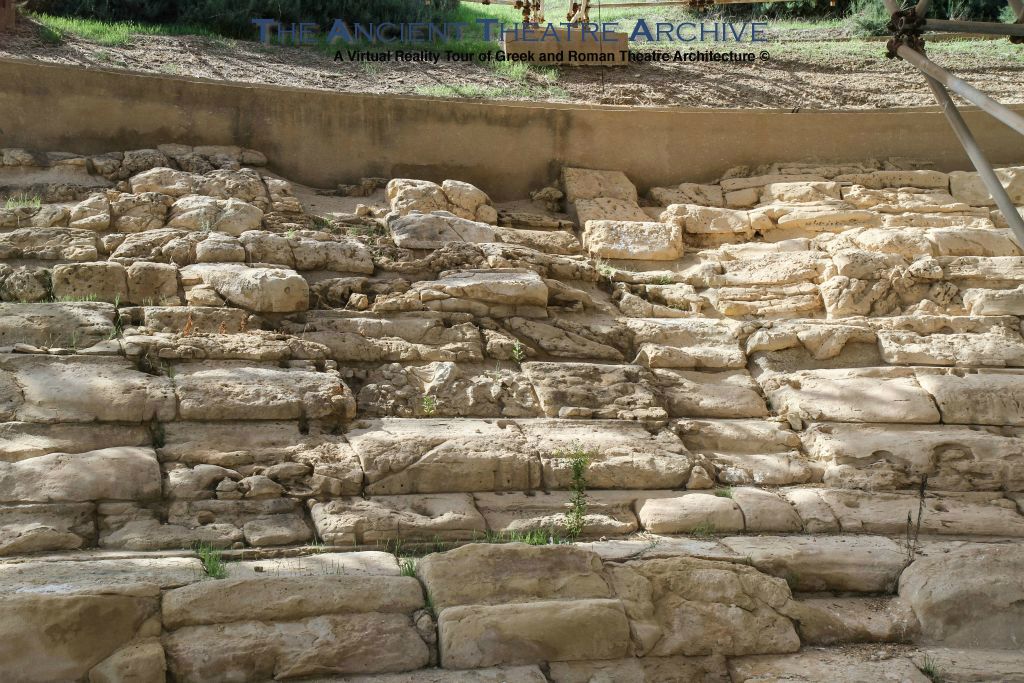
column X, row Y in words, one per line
column 962, row 88
column 988, row 176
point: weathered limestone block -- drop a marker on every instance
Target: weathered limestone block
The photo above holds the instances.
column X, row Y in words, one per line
column 554, row 630
column 50, row 244
column 436, row 229
column 545, row 265
column 486, row 292
column 59, row 637
column 160, row 245
column 994, row 272
column 582, row 183
column 607, row 209
column 705, row 220
column 203, row 319
column 879, row 457
column 238, row 390
column 633, row 240
column 254, row 346
column 971, row 665
column 689, row 606
column 263, row 290
column 91, row 214
column 443, row 456
column 994, row 397
column 422, row 336
column 997, row 347
column 84, row 389
column 968, row 187
column 130, row 213
column 152, row 283
column 245, row 185
column 315, row 461
column 585, row 390
column 812, row 219
column 353, row 521
column 100, row 280
column 895, row 179
column 858, row 564
column 71, row 325
column 765, row 510
column 329, row 644
column 37, row 527
column 621, row 455
column 690, row 511
column 981, row 514
column 687, row 343
column 446, row 389
column 728, row 394
column 486, row 574
column 759, row 181
column 217, row 248
column 971, row 596
column 109, row 474
column 845, row 296
column 799, row 192
column 770, row 270
column 307, row 250
column 643, row 670
column 688, row 193
column 608, row 512
column 840, row 621
column 747, row 451
column 288, row 598
column 994, row 301
column 788, row 301
column 24, row 284
column 824, row 665
column 852, row 395
column 268, row 522
column 564, row 343
column 900, row 200
column 140, row 660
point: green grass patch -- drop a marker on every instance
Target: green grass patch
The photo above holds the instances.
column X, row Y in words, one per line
column 21, row 200
column 53, row 29
column 213, row 561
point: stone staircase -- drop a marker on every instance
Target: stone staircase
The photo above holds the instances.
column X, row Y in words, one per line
column 250, row 431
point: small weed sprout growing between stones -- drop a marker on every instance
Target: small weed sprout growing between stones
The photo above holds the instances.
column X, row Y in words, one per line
column 407, row 566
column 23, row 201
column 724, row 492
column 518, row 351
column 603, row 268
column 579, row 459
column 663, row 280
column 213, row 562
column 531, row 537
column 429, row 405
column 703, row 530
column 928, row 669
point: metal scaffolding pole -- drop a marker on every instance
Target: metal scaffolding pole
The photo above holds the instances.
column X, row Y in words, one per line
column 973, row 27
column 988, row 176
column 962, row 88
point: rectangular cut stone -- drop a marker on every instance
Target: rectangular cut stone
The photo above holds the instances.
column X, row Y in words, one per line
column 330, row 644
column 851, row 395
column 549, row 631
column 70, row 325
column 771, row 270
column 690, row 606
column 415, row 337
column 759, row 181
column 288, row 598
column 729, row 394
column 443, row 456
column 607, row 209
column 240, row 390
column 589, row 390
column 859, row 564
column 107, row 474
column 637, row 241
column 706, row 220
column 998, row 347
column 992, row 397
column 37, row 527
column 354, row 521
column 585, row 183
column 687, row 342
column 967, row 186
column 980, row 514
column 23, row 440
column 621, row 455
column 823, row 665
column 494, row 574
column 879, row 457
column 924, row 179
column 685, row 512
column 608, row 512
column 87, row 389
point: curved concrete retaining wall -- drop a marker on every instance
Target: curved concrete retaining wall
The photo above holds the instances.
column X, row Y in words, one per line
column 323, row 138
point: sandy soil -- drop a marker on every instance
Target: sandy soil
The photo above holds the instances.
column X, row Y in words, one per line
column 798, row 75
